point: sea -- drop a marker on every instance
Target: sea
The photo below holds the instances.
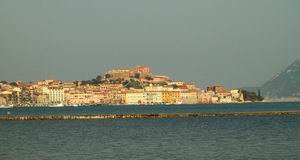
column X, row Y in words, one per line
column 244, row 137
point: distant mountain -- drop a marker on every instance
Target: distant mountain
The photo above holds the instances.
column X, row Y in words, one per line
column 285, row 84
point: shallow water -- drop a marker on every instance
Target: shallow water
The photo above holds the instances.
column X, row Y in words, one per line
column 255, row 137
column 179, row 138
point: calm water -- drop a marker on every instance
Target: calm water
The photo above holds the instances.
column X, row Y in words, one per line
column 250, row 107
column 265, row 137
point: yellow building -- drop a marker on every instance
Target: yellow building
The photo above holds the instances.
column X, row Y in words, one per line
column 170, row 97
column 2, row 101
column 42, row 99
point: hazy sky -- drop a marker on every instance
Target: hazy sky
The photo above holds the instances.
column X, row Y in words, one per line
column 232, row 42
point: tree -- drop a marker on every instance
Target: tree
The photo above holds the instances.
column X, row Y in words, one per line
column 251, row 96
column 99, row 78
column 137, row 75
column 107, row 76
column 4, row 82
column 175, row 86
column 13, row 84
column 149, row 78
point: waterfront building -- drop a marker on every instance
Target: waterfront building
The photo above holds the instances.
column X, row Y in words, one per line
column 56, row 95
column 2, row 101
column 237, row 95
column 119, row 98
column 16, row 94
column 79, row 98
column 188, row 97
column 42, row 99
column 153, row 98
column 170, row 97
column 134, row 98
column 204, row 97
column 224, row 97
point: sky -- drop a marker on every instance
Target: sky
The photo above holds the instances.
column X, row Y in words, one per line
column 231, row 42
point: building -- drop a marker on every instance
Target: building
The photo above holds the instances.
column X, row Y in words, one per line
column 170, row 97
column 188, row 97
column 2, row 101
column 153, row 98
column 79, row 98
column 204, row 97
column 177, row 83
column 56, row 95
column 127, row 73
column 116, row 74
column 225, row 97
column 119, row 98
column 216, row 88
column 44, row 82
column 160, row 78
column 42, row 99
column 237, row 95
column 143, row 71
column 135, row 98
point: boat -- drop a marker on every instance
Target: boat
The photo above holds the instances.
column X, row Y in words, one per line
column 57, row 105
column 9, row 106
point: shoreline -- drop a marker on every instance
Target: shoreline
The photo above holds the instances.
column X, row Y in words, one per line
column 107, row 105
column 140, row 116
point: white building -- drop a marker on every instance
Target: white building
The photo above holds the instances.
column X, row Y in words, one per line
column 237, row 95
column 188, row 97
column 134, row 98
column 153, row 98
column 56, row 95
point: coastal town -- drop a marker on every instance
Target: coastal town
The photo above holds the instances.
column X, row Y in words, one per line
column 120, row 86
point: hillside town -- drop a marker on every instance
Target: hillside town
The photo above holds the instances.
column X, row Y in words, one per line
column 120, row 86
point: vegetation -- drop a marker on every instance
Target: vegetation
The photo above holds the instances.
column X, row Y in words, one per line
column 175, row 86
column 137, row 75
column 252, row 96
column 13, row 84
column 132, row 84
column 149, row 78
column 4, row 82
column 94, row 81
column 107, row 76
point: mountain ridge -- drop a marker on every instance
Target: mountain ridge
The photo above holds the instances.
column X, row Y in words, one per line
column 284, row 84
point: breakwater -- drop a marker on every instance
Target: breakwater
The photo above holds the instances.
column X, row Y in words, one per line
column 160, row 115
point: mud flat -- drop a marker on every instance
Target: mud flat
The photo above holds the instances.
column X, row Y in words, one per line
column 161, row 115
